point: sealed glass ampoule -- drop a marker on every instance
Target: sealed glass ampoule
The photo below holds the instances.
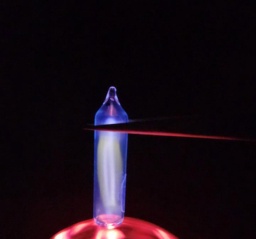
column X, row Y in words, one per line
column 110, row 156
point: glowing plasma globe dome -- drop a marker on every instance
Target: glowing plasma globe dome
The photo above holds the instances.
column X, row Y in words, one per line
column 131, row 228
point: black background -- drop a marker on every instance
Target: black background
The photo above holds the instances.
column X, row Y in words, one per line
column 167, row 58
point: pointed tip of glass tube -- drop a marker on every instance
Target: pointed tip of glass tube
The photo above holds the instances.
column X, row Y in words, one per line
column 111, row 95
column 112, row 91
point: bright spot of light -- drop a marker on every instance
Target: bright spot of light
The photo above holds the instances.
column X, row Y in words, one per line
column 110, row 234
column 62, row 235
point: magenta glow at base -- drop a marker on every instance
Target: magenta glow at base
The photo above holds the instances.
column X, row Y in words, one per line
column 131, row 228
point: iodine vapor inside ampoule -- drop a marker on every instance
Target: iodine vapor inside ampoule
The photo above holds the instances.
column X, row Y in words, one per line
column 110, row 156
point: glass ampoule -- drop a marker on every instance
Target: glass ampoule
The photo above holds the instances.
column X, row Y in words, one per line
column 110, row 156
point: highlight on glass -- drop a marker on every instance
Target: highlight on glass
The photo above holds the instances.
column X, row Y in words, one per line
column 110, row 159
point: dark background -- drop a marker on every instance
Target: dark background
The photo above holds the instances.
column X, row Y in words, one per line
column 168, row 58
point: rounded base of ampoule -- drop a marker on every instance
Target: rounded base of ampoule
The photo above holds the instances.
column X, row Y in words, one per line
column 108, row 221
column 131, row 228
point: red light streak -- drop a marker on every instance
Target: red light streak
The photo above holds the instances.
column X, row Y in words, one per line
column 171, row 134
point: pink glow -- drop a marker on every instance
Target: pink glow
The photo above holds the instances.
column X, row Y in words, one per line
column 110, row 220
column 131, row 228
column 79, row 228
